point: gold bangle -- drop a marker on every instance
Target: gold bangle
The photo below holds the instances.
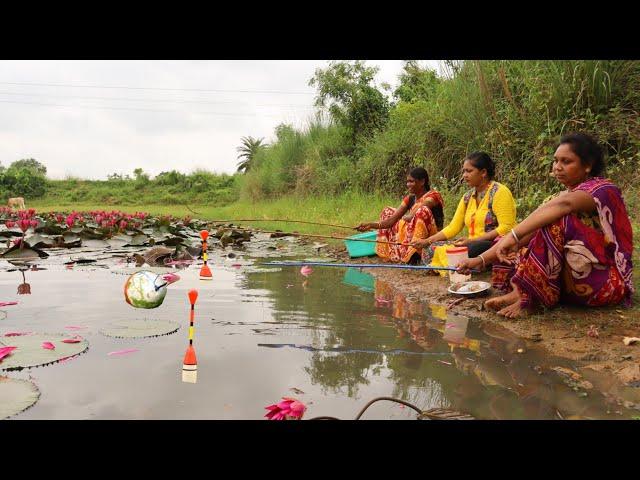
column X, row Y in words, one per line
column 484, row 264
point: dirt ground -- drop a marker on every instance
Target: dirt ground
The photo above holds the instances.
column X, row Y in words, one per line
column 601, row 358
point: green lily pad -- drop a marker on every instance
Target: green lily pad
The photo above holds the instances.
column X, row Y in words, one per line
column 95, row 243
column 139, row 240
column 42, row 241
column 140, row 328
column 16, row 396
column 31, row 354
column 18, row 253
column 70, row 237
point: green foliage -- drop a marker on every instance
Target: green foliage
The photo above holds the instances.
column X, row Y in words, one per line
column 416, row 83
column 347, row 90
column 170, row 188
column 248, row 151
column 29, row 164
column 514, row 110
column 24, row 178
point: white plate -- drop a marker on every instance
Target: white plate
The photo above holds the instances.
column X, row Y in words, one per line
column 469, row 288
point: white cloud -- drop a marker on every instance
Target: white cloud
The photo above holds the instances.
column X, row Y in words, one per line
column 92, row 132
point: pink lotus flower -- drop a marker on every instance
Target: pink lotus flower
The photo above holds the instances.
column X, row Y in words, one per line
column 4, row 351
column 24, row 224
column 70, row 221
column 306, row 270
column 48, row 345
column 10, row 224
column 287, row 409
column 34, row 224
column 123, row 225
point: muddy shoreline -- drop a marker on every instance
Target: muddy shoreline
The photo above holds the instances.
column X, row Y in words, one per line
column 601, row 358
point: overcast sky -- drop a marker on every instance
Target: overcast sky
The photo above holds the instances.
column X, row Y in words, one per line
column 93, row 118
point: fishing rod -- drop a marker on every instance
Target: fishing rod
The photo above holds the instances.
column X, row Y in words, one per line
column 359, row 265
column 283, row 220
column 314, row 235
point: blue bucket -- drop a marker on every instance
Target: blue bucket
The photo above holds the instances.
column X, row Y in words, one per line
column 362, row 249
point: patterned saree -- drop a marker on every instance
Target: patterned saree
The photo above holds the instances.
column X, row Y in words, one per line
column 421, row 225
column 579, row 259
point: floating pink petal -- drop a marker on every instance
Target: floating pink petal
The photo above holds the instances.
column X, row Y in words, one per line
column 6, row 304
column 123, row 352
column 383, row 300
column 4, row 351
column 48, row 345
column 75, row 327
column 72, row 340
column 16, row 334
column 306, row 270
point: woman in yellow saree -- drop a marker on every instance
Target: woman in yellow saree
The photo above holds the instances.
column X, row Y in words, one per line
column 420, row 215
column 488, row 211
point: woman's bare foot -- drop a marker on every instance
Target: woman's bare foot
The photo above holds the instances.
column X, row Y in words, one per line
column 502, row 301
column 512, row 311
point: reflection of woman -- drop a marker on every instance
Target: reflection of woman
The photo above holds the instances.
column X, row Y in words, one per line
column 578, row 245
column 488, row 211
column 419, row 216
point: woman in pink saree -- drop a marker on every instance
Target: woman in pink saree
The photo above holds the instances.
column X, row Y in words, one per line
column 575, row 248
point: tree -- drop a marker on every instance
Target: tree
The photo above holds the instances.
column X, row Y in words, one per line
column 248, row 150
column 31, row 164
column 141, row 178
column 416, row 83
column 347, row 91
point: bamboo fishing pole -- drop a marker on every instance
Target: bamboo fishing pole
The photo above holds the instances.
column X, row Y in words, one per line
column 282, row 220
column 314, row 235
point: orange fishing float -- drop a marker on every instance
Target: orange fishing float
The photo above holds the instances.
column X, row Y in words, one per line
column 205, row 271
column 190, row 363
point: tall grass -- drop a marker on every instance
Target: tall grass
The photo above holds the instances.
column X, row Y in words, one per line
column 514, row 110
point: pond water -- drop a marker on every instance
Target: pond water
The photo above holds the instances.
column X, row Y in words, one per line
column 334, row 340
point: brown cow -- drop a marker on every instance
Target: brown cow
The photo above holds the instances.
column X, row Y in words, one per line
column 17, row 202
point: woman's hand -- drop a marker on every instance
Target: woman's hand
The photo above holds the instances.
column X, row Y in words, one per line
column 363, row 227
column 408, row 217
column 422, row 243
column 465, row 266
column 461, row 242
column 507, row 249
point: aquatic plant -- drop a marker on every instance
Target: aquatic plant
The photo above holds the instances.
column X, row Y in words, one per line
column 287, row 409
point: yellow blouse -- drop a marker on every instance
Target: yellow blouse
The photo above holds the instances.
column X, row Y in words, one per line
column 476, row 217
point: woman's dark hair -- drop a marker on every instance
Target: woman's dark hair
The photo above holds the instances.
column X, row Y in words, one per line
column 420, row 173
column 587, row 149
column 482, row 160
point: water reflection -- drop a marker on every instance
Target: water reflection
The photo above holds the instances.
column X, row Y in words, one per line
column 487, row 374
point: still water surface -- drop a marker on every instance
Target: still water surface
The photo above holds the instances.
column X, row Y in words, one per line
column 334, row 340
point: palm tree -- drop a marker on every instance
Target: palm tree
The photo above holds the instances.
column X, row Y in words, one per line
column 250, row 146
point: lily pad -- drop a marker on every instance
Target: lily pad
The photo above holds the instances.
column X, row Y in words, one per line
column 139, row 240
column 31, row 354
column 140, row 328
column 42, row 241
column 16, row 396
column 17, row 253
column 95, row 243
